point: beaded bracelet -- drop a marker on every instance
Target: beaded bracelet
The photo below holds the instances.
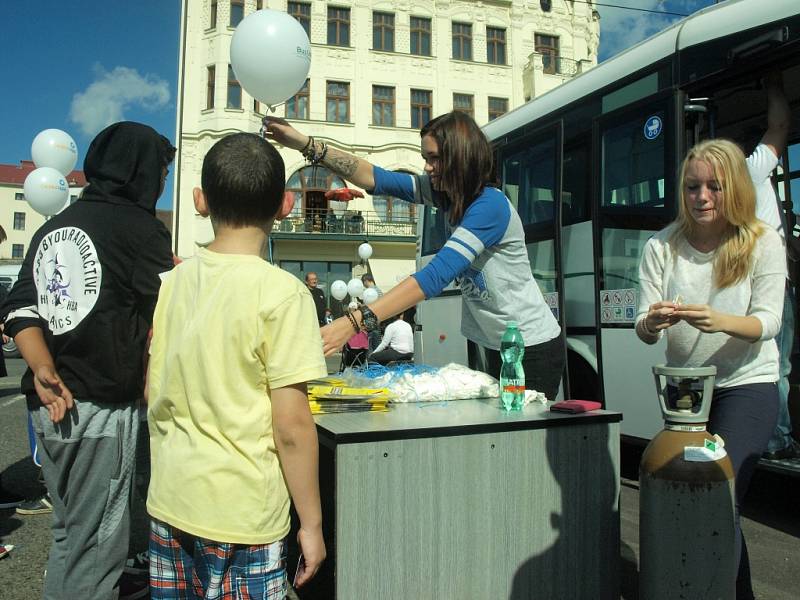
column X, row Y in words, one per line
column 353, row 322
column 646, row 329
column 309, row 143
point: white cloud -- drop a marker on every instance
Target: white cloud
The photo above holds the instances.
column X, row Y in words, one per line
column 112, row 93
column 620, row 28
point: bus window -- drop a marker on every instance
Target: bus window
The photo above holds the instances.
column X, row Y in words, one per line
column 434, row 231
column 575, row 185
column 529, row 181
column 633, row 163
column 622, row 249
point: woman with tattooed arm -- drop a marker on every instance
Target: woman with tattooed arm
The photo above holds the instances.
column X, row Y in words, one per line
column 485, row 249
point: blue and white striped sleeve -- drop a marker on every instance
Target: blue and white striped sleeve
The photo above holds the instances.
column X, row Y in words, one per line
column 412, row 188
column 485, row 223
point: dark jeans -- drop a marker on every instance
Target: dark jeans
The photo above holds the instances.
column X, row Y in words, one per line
column 744, row 417
column 543, row 365
column 388, row 355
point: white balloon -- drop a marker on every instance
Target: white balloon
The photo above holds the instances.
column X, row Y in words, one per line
column 339, row 289
column 46, row 190
column 365, row 251
column 270, row 55
column 56, row 149
column 370, row 295
column 355, row 287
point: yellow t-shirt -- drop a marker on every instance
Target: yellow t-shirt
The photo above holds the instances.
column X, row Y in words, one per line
column 227, row 329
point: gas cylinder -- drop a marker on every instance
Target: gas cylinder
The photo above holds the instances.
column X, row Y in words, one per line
column 686, row 497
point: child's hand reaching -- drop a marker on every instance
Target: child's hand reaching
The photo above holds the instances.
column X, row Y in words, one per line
column 312, row 547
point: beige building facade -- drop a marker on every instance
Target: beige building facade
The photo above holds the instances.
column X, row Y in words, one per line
column 379, row 71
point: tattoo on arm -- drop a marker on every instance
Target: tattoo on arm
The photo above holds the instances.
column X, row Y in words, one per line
column 341, row 163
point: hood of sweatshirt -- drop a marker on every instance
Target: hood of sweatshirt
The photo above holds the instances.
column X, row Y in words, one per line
column 124, row 165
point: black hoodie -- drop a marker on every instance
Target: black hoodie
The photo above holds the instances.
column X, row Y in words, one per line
column 90, row 277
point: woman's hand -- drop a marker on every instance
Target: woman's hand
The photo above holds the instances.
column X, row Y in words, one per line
column 701, row 316
column 660, row 316
column 335, row 335
column 283, row 133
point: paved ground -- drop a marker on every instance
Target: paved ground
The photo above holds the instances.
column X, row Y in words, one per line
column 771, row 521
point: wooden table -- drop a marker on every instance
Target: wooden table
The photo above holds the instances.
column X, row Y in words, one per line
column 461, row 500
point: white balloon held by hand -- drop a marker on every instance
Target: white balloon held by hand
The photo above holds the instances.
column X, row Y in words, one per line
column 270, row 55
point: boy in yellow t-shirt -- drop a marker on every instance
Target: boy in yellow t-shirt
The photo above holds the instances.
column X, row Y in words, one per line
column 234, row 341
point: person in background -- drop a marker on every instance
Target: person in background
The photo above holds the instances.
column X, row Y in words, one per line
column 486, row 249
column 79, row 314
column 328, row 318
column 317, row 295
column 374, row 336
column 727, row 270
column 231, row 432
column 397, row 342
column 761, row 163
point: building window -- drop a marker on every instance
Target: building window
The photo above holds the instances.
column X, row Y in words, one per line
column 383, row 31
column 256, row 106
column 464, row 103
column 495, row 46
column 462, row 41
column 297, row 105
column 234, row 90
column 19, row 221
column 421, row 108
column 19, row 196
column 547, row 46
column 237, row 12
column 497, row 107
column 337, row 105
column 17, row 251
column 338, row 26
column 259, row 4
column 211, row 75
column 212, row 21
column 420, row 36
column 302, row 12
column 392, row 209
column 383, row 105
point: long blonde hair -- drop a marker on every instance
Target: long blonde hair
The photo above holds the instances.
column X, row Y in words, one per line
column 734, row 255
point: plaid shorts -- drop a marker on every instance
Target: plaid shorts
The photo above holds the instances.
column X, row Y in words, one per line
column 186, row 567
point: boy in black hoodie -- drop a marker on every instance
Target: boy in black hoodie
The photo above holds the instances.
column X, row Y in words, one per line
column 80, row 313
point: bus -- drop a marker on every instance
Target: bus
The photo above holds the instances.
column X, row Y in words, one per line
column 608, row 144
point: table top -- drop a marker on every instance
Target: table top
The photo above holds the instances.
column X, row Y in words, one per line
column 455, row 417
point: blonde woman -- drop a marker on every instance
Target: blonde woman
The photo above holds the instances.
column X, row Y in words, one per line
column 712, row 282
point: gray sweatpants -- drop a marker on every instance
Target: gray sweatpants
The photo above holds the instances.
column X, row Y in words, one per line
column 88, row 463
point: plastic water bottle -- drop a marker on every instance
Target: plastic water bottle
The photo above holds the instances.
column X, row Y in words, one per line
column 512, row 375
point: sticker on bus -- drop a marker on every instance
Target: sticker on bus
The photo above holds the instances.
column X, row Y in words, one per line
column 618, row 306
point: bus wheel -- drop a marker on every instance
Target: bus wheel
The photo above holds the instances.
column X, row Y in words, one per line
column 583, row 382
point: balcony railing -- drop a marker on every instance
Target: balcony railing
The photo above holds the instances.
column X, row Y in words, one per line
column 351, row 222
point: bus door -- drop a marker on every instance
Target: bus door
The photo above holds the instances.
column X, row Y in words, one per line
column 530, row 171
column 437, row 333
column 636, row 150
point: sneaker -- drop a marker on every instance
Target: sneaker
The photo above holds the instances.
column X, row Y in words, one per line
column 138, row 565
column 5, row 549
column 9, row 499
column 132, row 587
column 787, row 453
column 39, row 506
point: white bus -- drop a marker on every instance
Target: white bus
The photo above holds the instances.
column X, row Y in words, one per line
column 608, row 144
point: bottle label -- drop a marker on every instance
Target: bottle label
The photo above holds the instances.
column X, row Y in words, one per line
column 513, row 387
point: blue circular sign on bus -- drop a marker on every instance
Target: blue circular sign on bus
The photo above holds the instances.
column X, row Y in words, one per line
column 652, row 127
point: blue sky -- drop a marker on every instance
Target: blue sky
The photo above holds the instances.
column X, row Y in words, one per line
column 82, row 64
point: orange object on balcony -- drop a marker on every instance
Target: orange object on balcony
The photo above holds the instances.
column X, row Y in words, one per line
column 343, row 194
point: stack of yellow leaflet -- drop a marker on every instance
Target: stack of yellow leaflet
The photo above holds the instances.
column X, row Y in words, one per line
column 325, row 397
